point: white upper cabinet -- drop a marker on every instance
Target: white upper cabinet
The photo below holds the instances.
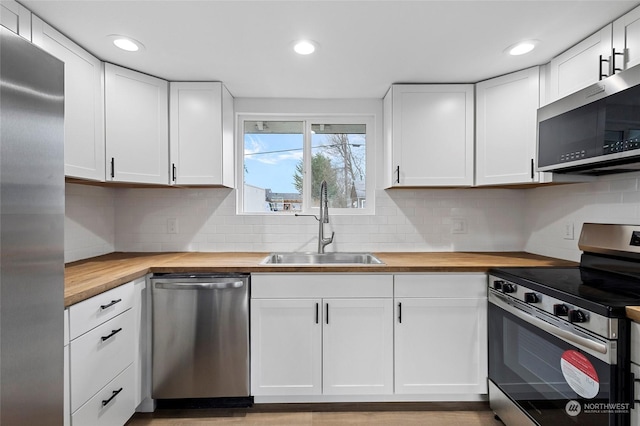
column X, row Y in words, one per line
column 137, row 132
column 506, row 128
column 83, row 103
column 429, row 135
column 16, row 17
column 626, row 41
column 201, row 134
column 580, row 66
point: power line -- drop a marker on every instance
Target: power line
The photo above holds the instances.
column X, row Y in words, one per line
column 355, row 145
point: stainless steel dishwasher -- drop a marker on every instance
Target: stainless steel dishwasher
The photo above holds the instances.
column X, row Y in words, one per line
column 200, row 336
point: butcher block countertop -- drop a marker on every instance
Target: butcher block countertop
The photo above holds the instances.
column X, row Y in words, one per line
column 633, row 312
column 89, row 277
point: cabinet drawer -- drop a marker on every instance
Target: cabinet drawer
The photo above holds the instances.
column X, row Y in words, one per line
column 311, row 286
column 97, row 358
column 94, row 311
column 100, row 410
column 471, row 285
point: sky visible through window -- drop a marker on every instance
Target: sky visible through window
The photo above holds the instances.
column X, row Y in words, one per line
column 274, row 158
column 270, row 160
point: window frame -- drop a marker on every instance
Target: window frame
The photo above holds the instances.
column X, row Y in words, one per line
column 369, row 120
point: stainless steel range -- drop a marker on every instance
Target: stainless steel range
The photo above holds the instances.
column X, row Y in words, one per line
column 559, row 338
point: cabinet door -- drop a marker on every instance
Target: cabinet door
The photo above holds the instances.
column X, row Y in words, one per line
column 286, row 351
column 580, row 66
column 506, row 127
column 441, row 346
column 432, row 136
column 137, row 132
column 201, row 142
column 83, row 103
column 358, row 346
column 16, row 17
column 626, row 40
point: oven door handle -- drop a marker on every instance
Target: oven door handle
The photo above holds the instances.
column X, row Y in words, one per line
column 549, row 328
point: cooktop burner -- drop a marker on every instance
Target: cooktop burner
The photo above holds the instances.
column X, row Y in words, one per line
column 601, row 292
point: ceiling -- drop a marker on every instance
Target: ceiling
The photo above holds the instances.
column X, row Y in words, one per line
column 363, row 46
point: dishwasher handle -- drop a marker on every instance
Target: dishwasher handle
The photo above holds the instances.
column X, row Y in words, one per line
column 199, row 286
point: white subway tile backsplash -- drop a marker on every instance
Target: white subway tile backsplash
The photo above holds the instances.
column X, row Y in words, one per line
column 609, row 199
column 405, row 220
column 101, row 220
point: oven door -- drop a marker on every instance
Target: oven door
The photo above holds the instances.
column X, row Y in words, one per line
column 552, row 371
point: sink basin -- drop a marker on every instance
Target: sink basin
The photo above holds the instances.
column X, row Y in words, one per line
column 295, row 258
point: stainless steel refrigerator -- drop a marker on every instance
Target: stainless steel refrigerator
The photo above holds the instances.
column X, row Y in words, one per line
column 31, row 234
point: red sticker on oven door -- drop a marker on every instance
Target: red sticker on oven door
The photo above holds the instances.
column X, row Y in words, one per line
column 580, row 374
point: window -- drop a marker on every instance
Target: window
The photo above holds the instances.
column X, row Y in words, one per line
column 285, row 160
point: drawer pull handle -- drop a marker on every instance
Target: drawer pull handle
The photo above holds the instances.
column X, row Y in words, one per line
column 113, row 333
column 115, row 393
column 113, row 302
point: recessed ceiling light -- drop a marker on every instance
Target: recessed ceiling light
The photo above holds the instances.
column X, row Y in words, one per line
column 304, row 47
column 126, row 43
column 521, row 48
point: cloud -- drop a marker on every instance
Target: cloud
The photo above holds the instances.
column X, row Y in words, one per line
column 255, row 149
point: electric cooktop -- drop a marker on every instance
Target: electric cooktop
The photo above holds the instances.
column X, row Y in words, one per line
column 602, row 292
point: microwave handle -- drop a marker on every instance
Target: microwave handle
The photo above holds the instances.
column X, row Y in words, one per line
column 565, row 335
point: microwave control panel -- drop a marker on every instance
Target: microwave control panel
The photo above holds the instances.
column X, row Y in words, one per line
column 612, row 147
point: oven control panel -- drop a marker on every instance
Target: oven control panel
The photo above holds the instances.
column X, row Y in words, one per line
column 598, row 324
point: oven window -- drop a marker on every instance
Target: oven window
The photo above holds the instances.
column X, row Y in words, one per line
column 526, row 363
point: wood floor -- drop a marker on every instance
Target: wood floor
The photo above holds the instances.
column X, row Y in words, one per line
column 427, row 414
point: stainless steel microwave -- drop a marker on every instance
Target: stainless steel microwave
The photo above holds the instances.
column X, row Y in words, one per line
column 595, row 131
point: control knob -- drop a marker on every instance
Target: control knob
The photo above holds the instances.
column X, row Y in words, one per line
column 531, row 298
column 497, row 285
column 508, row 288
column 576, row 315
column 560, row 310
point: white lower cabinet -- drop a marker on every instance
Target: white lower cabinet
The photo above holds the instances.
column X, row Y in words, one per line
column 635, row 410
column 67, row 390
column 357, row 341
column 365, row 337
column 441, row 334
column 321, row 334
column 286, row 347
column 102, row 351
column 111, row 405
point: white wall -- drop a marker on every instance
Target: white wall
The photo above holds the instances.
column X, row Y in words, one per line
column 89, row 226
column 609, row 199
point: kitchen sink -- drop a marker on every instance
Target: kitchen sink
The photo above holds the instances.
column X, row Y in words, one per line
column 298, row 258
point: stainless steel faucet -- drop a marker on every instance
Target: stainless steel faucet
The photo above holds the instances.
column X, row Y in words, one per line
column 324, row 218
